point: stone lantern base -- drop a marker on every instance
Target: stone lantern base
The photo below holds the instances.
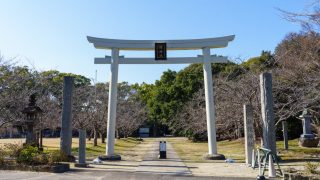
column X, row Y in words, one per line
column 308, row 141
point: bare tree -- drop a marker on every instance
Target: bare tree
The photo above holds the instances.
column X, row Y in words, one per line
column 298, row 82
column 131, row 115
column 83, row 107
column 16, row 85
column 191, row 118
column 309, row 18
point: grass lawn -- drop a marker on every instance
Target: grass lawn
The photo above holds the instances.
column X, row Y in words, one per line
column 194, row 151
column 122, row 146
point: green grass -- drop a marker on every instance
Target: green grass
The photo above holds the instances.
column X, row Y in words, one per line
column 194, row 151
column 296, row 152
column 122, row 146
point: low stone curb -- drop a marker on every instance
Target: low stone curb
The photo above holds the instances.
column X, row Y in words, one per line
column 58, row 168
column 292, row 176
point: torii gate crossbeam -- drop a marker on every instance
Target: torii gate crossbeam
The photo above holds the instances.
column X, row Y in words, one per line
column 192, row 44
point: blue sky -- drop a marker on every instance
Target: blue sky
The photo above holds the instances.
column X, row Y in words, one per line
column 52, row 34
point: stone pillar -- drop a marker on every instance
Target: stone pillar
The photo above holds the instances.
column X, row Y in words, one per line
column 66, row 126
column 269, row 133
column 248, row 132
column 82, row 146
column 210, row 109
column 112, row 108
column 285, row 134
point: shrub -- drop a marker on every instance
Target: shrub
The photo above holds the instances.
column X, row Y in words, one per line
column 312, row 167
column 13, row 150
column 56, row 157
column 30, row 155
column 40, row 159
column 27, row 155
column 2, row 155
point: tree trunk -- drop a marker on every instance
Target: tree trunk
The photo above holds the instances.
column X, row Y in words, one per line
column 95, row 137
column 285, row 134
column 41, row 139
column 11, row 132
column 89, row 138
column 37, row 138
column 52, row 132
column 117, row 135
column 154, row 130
column 103, row 138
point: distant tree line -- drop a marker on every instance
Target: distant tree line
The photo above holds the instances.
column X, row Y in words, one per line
column 90, row 105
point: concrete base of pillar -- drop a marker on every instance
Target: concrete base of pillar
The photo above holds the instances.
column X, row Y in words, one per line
column 308, row 136
column 71, row 158
column 308, row 142
column 214, row 157
column 115, row 157
column 81, row 165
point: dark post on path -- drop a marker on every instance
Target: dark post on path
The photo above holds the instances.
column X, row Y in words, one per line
column 162, row 150
column 66, row 127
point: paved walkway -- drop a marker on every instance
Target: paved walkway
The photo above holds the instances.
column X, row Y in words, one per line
column 100, row 175
column 149, row 161
column 172, row 165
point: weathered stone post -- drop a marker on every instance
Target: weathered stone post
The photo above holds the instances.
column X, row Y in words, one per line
column 269, row 133
column 66, row 127
column 82, row 146
column 285, row 134
column 82, row 149
column 248, row 132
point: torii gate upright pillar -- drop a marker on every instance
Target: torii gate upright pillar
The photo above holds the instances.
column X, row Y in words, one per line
column 112, row 108
column 210, row 109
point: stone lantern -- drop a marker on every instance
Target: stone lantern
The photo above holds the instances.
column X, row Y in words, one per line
column 307, row 139
column 31, row 112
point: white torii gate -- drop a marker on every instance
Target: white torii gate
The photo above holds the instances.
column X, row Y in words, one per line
column 192, row 44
